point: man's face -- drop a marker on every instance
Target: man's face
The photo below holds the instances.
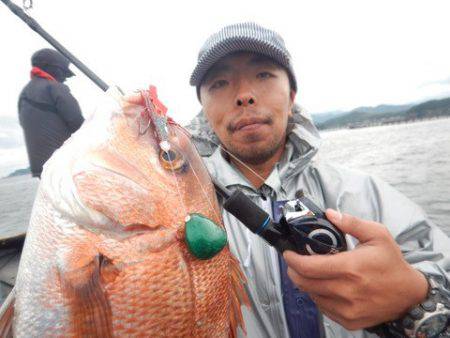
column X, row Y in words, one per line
column 247, row 100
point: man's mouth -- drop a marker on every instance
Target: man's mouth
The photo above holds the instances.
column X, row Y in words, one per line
column 250, row 123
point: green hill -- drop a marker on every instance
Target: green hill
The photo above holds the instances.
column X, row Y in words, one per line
column 368, row 117
column 433, row 108
column 19, row 172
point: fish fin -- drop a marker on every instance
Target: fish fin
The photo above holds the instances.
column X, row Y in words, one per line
column 238, row 297
column 82, row 287
column 117, row 197
column 6, row 315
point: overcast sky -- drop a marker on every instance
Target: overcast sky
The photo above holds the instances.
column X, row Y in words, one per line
column 346, row 53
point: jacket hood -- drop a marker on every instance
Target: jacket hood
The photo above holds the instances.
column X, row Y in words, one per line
column 303, row 140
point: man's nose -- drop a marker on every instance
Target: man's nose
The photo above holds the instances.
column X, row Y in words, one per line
column 245, row 96
column 245, row 101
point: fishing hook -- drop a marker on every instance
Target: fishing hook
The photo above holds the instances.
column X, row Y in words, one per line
column 143, row 131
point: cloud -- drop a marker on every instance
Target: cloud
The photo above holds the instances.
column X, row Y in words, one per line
column 11, row 135
column 14, row 158
column 441, row 82
column 9, row 143
column 445, row 81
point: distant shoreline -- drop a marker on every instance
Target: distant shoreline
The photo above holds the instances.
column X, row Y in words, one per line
column 378, row 124
column 18, row 172
column 384, row 115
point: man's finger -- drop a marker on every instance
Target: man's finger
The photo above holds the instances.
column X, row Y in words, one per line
column 323, row 287
column 343, row 312
column 328, row 306
column 361, row 229
column 307, row 284
column 318, row 266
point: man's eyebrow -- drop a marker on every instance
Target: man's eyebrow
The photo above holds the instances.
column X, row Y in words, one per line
column 216, row 70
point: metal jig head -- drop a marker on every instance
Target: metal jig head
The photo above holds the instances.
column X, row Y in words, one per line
column 157, row 115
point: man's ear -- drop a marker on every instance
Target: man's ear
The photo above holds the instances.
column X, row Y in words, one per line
column 292, row 95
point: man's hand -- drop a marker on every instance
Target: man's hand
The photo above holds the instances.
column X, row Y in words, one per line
column 369, row 285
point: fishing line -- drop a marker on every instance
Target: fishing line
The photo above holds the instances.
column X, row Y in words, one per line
column 245, row 165
column 205, row 193
column 237, row 159
column 178, row 189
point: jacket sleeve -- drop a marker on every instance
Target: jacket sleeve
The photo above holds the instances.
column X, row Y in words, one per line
column 67, row 106
column 424, row 245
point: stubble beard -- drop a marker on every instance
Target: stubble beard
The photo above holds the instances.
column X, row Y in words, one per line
column 254, row 155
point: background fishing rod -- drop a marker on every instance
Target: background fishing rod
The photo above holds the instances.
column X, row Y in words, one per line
column 32, row 23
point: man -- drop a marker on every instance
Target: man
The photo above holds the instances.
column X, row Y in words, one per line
column 246, row 85
column 48, row 113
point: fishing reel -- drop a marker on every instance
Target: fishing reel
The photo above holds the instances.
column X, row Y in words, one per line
column 309, row 230
column 303, row 226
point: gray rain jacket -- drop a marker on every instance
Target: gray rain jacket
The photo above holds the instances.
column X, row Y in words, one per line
column 423, row 244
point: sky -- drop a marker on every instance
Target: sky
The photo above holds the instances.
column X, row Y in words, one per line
column 345, row 53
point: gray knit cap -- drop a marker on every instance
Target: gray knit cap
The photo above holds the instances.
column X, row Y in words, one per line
column 248, row 37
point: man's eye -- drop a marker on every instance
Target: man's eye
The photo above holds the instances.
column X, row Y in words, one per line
column 218, row 84
column 264, row 75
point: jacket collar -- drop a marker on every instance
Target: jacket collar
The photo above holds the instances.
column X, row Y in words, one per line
column 38, row 72
column 222, row 169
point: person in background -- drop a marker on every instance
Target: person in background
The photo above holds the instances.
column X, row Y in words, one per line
column 253, row 137
column 48, row 112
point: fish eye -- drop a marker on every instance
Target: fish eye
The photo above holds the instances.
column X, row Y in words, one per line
column 171, row 159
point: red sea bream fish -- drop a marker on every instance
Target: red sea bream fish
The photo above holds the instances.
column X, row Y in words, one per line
column 126, row 237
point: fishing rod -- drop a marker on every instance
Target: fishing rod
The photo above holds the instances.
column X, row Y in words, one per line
column 32, row 23
column 303, row 227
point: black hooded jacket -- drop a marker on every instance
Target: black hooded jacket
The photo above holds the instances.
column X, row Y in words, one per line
column 48, row 114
